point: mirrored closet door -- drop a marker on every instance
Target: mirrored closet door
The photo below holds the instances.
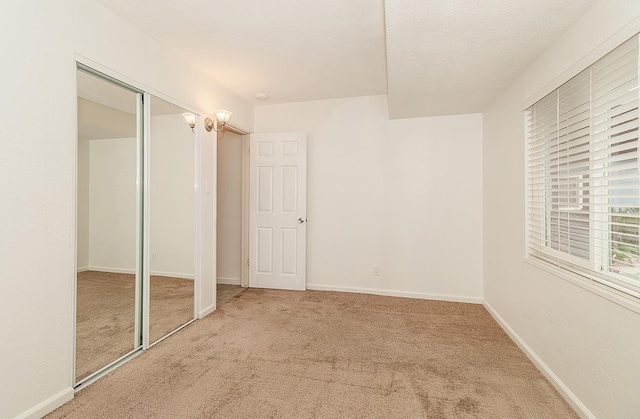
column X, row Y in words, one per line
column 136, row 221
column 109, row 170
column 172, row 217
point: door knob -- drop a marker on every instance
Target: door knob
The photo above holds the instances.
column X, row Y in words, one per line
column 301, row 220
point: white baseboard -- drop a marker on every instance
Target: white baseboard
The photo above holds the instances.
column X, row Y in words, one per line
column 564, row 391
column 207, row 311
column 82, row 269
column 393, row 293
column 173, row 275
column 229, row 281
column 48, row 406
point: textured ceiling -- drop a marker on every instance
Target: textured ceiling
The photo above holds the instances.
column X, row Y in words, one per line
column 441, row 57
column 292, row 50
column 448, row 57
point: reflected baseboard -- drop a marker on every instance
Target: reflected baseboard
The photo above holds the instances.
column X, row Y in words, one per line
column 228, row 281
column 173, row 274
column 180, row 275
column 110, row 270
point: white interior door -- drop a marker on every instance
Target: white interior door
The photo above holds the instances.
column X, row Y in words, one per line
column 278, row 211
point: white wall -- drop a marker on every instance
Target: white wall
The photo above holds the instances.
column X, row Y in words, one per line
column 229, row 248
column 405, row 195
column 172, row 190
column 39, row 41
column 83, row 204
column 589, row 343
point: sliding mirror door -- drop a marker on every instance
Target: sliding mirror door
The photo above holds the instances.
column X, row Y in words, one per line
column 109, row 168
column 172, row 218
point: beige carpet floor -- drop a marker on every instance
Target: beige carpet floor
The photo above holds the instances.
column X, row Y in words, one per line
column 105, row 315
column 170, row 306
column 315, row 354
column 226, row 292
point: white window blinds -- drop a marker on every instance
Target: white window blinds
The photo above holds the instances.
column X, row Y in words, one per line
column 583, row 184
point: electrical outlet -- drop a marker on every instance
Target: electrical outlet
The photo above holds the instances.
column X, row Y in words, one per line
column 153, row 256
column 376, row 270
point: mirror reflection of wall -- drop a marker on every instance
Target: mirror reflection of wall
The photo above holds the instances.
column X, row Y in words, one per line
column 107, row 315
column 172, row 214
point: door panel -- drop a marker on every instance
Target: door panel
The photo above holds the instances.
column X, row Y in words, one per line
column 277, row 219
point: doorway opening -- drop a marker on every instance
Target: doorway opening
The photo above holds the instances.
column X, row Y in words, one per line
column 261, row 212
column 232, row 215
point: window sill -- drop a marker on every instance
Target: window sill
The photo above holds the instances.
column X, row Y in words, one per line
column 627, row 301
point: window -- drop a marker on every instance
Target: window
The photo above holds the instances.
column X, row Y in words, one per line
column 583, row 184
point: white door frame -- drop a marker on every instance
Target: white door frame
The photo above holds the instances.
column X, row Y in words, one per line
column 245, row 212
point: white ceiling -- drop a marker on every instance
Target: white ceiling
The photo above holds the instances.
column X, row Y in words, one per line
column 437, row 56
column 448, row 57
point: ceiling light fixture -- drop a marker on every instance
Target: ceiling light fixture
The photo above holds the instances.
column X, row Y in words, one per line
column 191, row 120
column 262, row 96
column 222, row 117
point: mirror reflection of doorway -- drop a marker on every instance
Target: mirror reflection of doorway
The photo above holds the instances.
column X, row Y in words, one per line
column 108, row 316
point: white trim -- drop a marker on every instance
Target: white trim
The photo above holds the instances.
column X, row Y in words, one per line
column 228, row 281
column 621, row 298
column 197, row 242
column 564, row 391
column 244, row 250
column 525, row 189
column 74, row 281
column 394, row 293
column 214, row 215
column 179, row 275
column 204, row 313
column 83, row 269
column 48, row 406
column 625, row 33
